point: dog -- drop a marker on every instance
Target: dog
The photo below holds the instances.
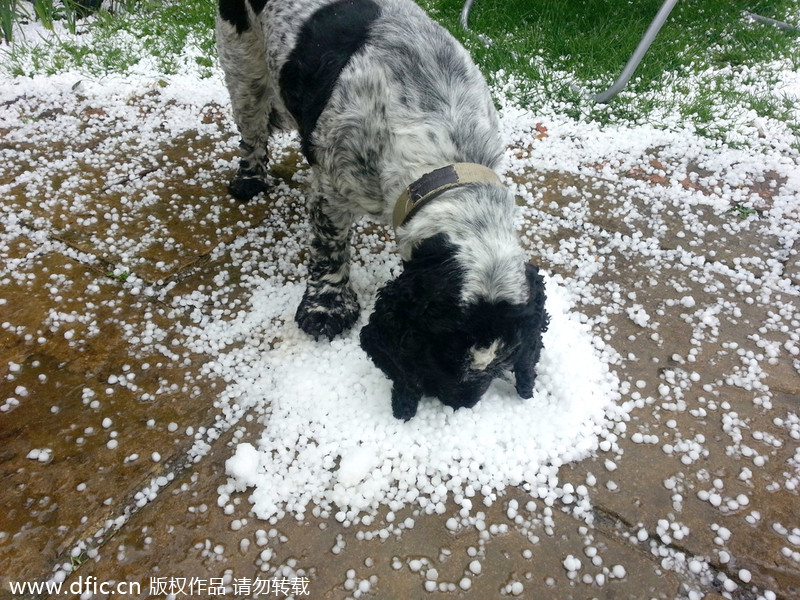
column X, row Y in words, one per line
column 398, row 124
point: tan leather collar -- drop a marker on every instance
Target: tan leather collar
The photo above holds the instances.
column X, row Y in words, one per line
column 432, row 184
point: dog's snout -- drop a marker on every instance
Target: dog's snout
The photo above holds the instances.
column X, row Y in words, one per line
column 465, row 395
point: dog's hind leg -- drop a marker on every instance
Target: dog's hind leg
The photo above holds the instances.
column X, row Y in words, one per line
column 240, row 44
column 329, row 305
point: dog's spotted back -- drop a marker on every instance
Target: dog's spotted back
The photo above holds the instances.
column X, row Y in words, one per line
column 325, row 44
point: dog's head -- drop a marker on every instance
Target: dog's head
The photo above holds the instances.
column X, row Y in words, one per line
column 427, row 341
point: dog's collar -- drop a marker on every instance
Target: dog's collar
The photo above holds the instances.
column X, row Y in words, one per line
column 430, row 185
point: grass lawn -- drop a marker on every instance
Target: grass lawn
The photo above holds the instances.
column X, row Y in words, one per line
column 707, row 60
column 710, row 69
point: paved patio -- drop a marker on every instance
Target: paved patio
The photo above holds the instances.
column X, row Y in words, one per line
column 112, row 448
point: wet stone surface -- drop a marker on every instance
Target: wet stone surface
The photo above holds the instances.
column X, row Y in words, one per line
column 515, row 542
column 118, row 246
column 120, row 211
column 88, row 423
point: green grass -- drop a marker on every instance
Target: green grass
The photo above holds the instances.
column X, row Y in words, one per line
column 118, row 275
column 10, row 13
column 47, row 12
column 708, row 64
column 563, row 51
column 742, row 211
column 114, row 42
column 594, row 38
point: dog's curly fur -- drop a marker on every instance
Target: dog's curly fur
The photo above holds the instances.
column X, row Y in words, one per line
column 382, row 95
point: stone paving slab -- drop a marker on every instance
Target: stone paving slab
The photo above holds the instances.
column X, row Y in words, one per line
column 709, row 455
column 638, row 209
column 705, row 353
column 183, row 534
column 82, row 412
column 712, row 453
column 120, row 211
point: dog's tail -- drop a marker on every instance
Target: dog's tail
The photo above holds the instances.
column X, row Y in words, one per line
column 239, row 14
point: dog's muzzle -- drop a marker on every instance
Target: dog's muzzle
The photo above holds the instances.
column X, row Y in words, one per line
column 432, row 184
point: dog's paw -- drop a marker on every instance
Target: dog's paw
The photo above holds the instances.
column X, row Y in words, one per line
column 525, row 390
column 403, row 412
column 246, row 185
column 327, row 315
column 404, row 403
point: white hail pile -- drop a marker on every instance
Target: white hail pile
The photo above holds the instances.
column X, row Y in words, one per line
column 330, row 444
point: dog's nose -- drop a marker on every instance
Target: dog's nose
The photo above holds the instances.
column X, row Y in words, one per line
column 465, row 395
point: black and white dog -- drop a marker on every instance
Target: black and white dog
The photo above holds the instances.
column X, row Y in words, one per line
column 397, row 123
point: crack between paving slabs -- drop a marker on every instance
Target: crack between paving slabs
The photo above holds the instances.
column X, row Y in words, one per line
column 172, row 469
column 615, row 525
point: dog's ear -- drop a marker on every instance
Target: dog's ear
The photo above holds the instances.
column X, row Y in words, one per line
column 535, row 324
column 386, row 340
column 412, row 309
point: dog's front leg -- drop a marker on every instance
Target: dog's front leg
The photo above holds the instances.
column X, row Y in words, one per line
column 329, row 305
